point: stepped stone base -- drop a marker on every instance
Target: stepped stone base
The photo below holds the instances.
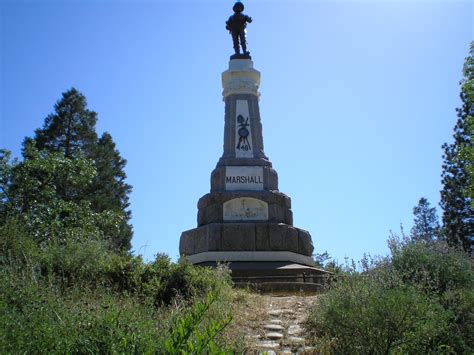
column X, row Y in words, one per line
column 211, row 205
column 252, row 237
column 277, row 277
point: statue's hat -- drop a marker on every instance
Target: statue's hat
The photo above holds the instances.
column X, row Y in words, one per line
column 238, row 7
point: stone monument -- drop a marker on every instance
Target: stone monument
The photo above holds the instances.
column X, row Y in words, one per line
column 244, row 219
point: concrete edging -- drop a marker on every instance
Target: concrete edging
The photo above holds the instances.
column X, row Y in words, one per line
column 250, row 256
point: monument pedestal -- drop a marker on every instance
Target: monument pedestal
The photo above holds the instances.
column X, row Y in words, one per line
column 245, row 220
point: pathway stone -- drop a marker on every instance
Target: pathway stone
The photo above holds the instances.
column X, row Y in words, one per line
column 296, row 339
column 282, row 329
column 275, row 312
column 268, row 344
column 275, row 321
column 273, row 327
column 294, row 329
column 274, row 335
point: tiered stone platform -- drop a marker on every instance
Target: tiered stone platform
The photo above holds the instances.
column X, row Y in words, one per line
column 244, row 219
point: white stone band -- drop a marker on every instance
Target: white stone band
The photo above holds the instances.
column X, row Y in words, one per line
column 240, row 78
column 251, row 256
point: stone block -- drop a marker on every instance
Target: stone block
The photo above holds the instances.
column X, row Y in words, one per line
column 186, row 243
column 238, row 237
column 305, row 244
column 271, row 179
column 204, row 201
column 262, row 239
column 288, row 216
column 214, row 213
column 283, row 237
column 229, row 161
column 218, row 179
column 210, row 214
column 277, row 214
column 214, row 237
column 201, row 217
column 292, row 239
column 200, row 240
column 219, row 197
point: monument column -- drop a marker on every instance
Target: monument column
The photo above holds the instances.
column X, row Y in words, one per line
column 244, row 218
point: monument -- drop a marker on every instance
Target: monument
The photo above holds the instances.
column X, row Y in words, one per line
column 245, row 220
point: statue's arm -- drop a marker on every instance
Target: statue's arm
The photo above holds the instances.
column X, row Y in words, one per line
column 248, row 19
column 228, row 23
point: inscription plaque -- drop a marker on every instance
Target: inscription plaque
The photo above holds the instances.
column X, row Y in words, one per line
column 245, row 209
column 244, row 178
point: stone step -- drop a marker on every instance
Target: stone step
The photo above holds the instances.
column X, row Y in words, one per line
column 274, row 327
column 268, row 344
column 275, row 321
column 294, row 329
column 273, row 335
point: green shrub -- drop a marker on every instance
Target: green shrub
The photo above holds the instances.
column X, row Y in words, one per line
column 189, row 336
column 77, row 296
column 37, row 319
column 434, row 267
column 421, row 300
column 361, row 315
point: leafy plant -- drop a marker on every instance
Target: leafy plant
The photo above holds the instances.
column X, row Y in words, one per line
column 420, row 300
column 187, row 335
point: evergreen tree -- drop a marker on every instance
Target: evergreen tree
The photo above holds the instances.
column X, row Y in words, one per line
column 426, row 226
column 33, row 198
column 467, row 151
column 458, row 218
column 109, row 189
column 71, row 130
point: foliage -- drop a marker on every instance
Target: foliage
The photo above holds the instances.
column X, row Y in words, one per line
column 78, row 297
column 426, row 227
column 187, row 338
column 109, row 191
column 434, row 268
column 326, row 262
column 458, row 218
column 45, row 193
column 361, row 316
column 420, row 300
column 71, row 131
column 467, row 150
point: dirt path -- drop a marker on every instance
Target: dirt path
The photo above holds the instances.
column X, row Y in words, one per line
column 280, row 327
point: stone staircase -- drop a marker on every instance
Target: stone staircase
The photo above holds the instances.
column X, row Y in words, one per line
column 282, row 330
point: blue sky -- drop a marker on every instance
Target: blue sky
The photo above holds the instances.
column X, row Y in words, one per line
column 357, row 99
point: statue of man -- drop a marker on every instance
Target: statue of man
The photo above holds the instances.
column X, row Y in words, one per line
column 236, row 25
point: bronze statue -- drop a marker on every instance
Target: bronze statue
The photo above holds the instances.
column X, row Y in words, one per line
column 236, row 25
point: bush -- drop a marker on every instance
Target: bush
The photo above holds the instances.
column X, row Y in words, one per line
column 36, row 318
column 421, row 300
column 361, row 315
column 434, row 267
column 77, row 296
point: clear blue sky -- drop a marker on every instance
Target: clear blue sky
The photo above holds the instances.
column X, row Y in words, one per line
column 357, row 99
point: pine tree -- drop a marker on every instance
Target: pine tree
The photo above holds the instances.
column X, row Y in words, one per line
column 71, row 130
column 109, row 189
column 458, row 218
column 426, row 226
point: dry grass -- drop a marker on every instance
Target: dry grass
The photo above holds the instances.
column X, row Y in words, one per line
column 248, row 311
column 251, row 313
